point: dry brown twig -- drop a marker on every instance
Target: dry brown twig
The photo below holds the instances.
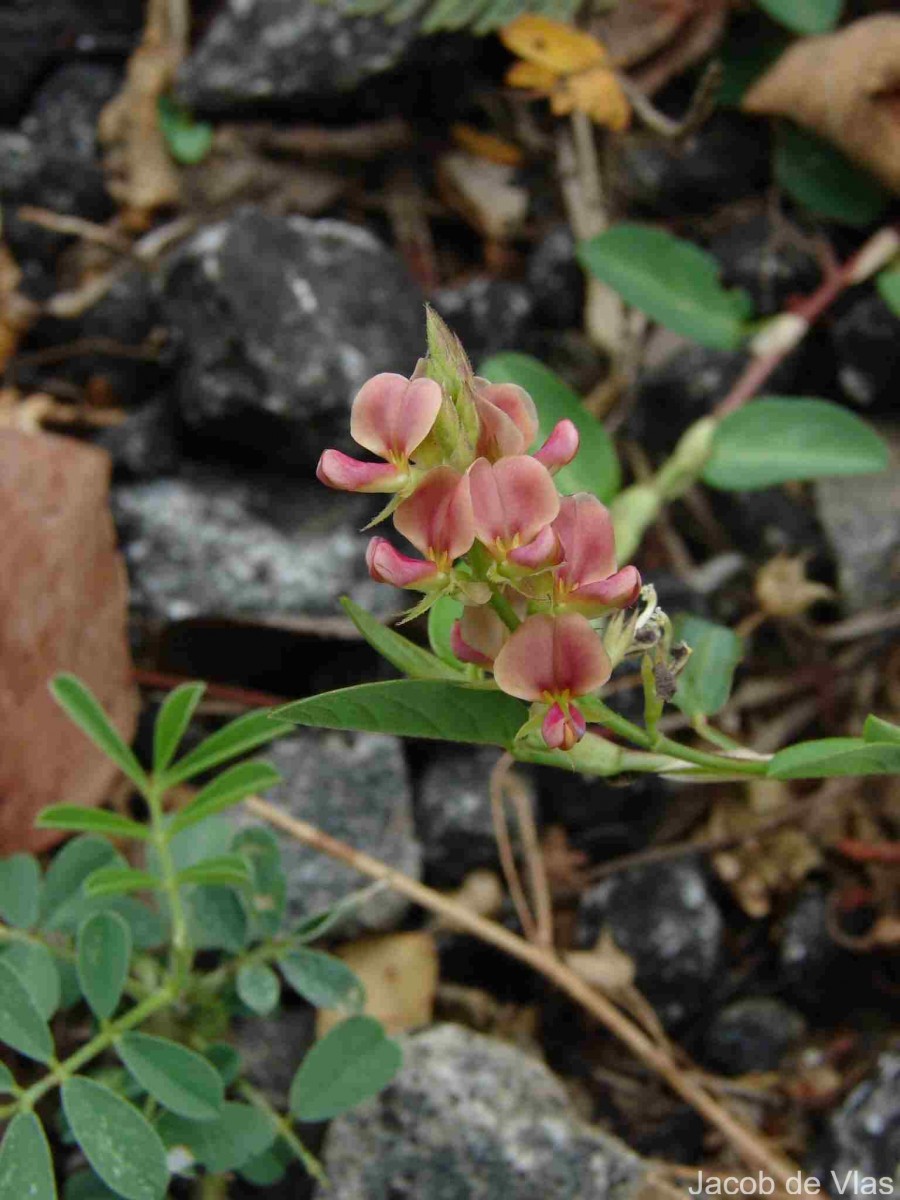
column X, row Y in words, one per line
column 752, row 1147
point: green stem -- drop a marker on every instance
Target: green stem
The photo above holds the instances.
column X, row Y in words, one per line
column 265, row 952
column 285, row 1130
column 182, row 953
column 715, row 736
column 505, row 611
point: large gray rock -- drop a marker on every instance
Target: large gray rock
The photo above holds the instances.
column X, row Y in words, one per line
column 282, row 320
column 753, row 1034
column 469, row 1118
column 666, row 918
column 210, row 542
column 861, row 518
column 356, row 788
column 265, row 52
column 863, row 1136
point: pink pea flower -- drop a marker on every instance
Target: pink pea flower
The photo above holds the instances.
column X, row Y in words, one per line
column 560, row 447
column 553, row 660
column 391, row 416
column 387, row 565
column 513, row 500
column 437, row 518
column 507, row 418
column 587, row 579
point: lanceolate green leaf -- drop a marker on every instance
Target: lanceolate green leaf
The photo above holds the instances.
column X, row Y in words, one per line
column 322, row 979
column 888, row 282
column 121, row 1146
column 815, row 174
column 116, row 881
column 353, row 1061
column 104, row 954
column 62, row 897
column 36, row 967
column 20, row 890
column 84, row 709
column 226, row 790
column 804, row 16
column 238, row 737
column 673, row 281
column 228, row 870
column 876, row 729
column 77, row 819
column 441, row 618
column 415, row 708
column 180, row 1080
column 238, row 1134
column 21, row 1025
column 596, row 466
column 266, row 897
column 26, row 1168
column 405, row 655
column 831, row 757
column 172, row 722
column 704, row 684
column 779, row 438
column 7, row 1081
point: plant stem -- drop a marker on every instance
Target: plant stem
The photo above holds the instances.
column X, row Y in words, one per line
column 285, row 1130
column 505, row 611
column 181, row 955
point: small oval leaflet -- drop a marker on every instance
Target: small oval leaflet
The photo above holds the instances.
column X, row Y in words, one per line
column 353, row 1061
column 258, row 987
column 21, row 1025
column 322, row 979
column 124, row 1150
column 104, row 952
column 179, row 1079
column 26, row 1168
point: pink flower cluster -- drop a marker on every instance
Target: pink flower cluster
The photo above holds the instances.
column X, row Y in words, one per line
column 493, row 531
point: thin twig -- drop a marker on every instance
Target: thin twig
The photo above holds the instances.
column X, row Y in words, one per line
column 90, row 231
column 505, row 849
column 753, row 1149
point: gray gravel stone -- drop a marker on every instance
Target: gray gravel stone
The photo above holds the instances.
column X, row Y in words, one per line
column 210, row 542
column 282, row 320
column 356, row 788
column 666, row 918
column 488, row 315
column 265, row 52
column 864, row 1134
column 469, row 1118
column 752, row 1035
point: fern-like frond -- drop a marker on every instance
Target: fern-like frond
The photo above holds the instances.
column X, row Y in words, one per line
column 479, row 16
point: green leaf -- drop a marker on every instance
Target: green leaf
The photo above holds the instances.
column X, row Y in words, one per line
column 84, row 709
column 405, row 655
column 36, row 967
column 78, row 819
column 117, row 1141
column 596, row 466
column 104, row 953
column 817, row 175
column 876, row 729
column 62, row 897
column 415, row 708
column 8, row 1085
column 216, row 919
column 266, row 1169
column 238, row 737
column 149, row 929
column 352, row 1062
column 189, row 141
column 172, row 722
column 26, row 1167
column 20, row 890
column 238, row 1134
column 180, row 1080
column 804, row 16
column 21, row 1025
column 888, row 283
column 115, row 881
column 267, row 897
column 673, row 281
column 704, row 684
column 226, row 790
column 780, row 438
column 441, row 617
column 226, row 1060
column 829, row 757
column 229, row 870
column 322, row 979
column 85, row 1185
column 258, row 987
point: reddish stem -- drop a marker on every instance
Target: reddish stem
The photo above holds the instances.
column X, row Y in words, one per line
column 871, row 852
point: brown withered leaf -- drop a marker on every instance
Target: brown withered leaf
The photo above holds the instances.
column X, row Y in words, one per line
column 845, row 86
column 400, row 975
column 783, row 590
column 484, row 193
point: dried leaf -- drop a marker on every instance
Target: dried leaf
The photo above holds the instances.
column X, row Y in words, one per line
column 400, row 975
column 782, row 589
column 484, row 193
column 845, row 87
column 552, row 44
column 606, row 967
column 487, row 145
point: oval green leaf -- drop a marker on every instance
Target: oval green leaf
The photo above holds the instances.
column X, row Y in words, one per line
column 704, row 684
column 77, row 819
column 322, row 979
column 888, row 283
column 36, row 967
column 238, row 737
column 352, row 1062
column 815, row 174
column 596, row 466
column 116, row 881
column 84, row 709
column 780, row 438
column 804, row 16
column 104, row 953
column 8, row 1085
column 123, row 1149
column 831, row 757
column 21, row 1025
column 238, row 1134
column 226, row 790
column 415, row 708
column 671, row 280
column 216, row 919
column 405, row 655
column 267, row 896
column 20, row 890
column 182, row 1081
column 258, row 987
column 172, row 721
column 26, row 1167
column 62, row 899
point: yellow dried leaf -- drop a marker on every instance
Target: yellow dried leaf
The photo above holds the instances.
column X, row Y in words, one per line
column 531, row 77
column 552, row 44
column 597, row 93
column 487, row 145
column 783, row 590
column 400, row 974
